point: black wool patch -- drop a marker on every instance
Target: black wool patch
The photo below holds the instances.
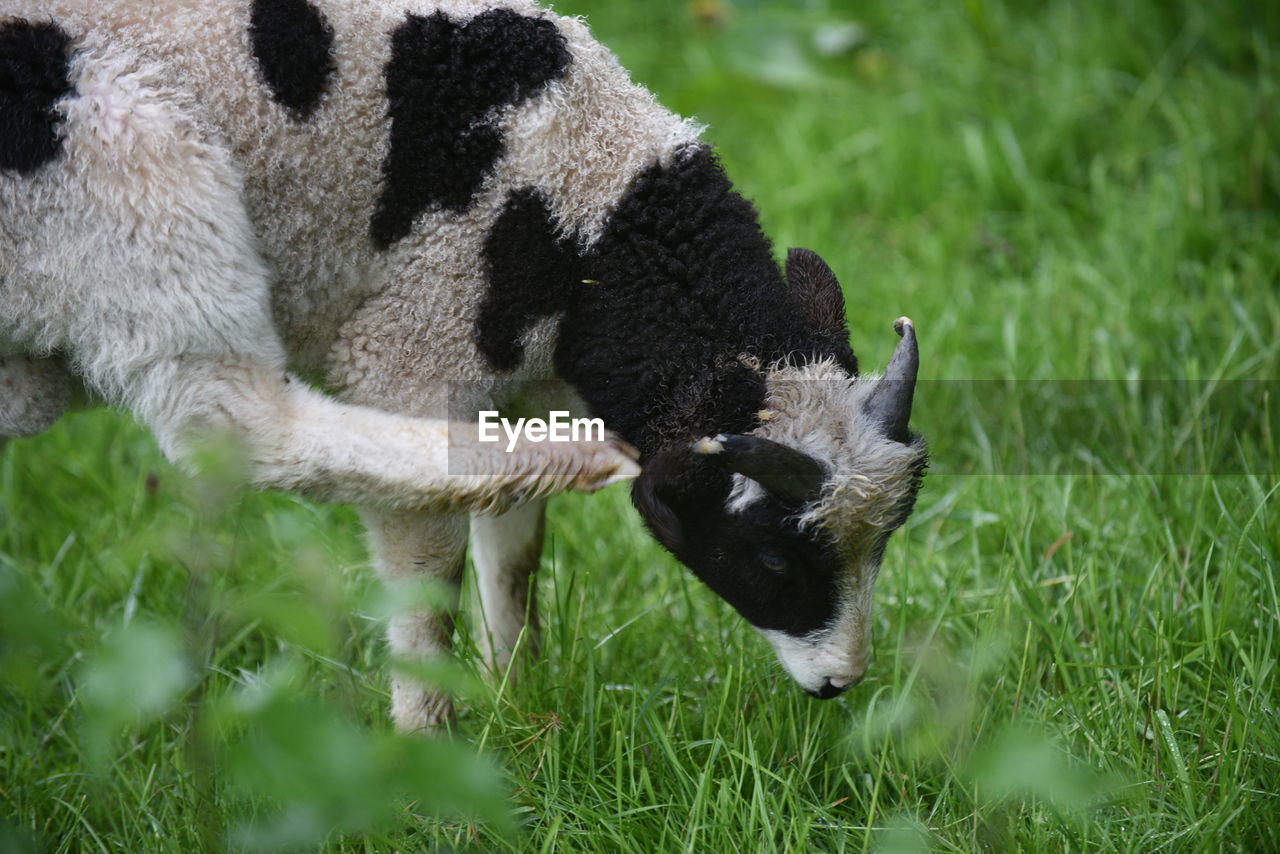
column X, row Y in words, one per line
column 688, row 283
column 532, row 274
column 446, row 84
column 656, row 315
column 34, row 68
column 293, row 44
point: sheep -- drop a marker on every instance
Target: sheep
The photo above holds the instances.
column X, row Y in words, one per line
column 438, row 208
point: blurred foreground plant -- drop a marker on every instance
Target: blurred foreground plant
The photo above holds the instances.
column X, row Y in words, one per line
column 273, row 758
column 938, row 723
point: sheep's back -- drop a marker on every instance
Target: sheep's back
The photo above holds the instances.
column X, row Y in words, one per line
column 346, row 297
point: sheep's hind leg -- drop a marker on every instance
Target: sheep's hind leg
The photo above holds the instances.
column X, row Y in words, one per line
column 412, row 549
column 506, row 551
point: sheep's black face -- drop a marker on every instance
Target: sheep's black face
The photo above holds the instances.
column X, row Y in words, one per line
column 793, row 538
column 757, row 557
column 758, row 560
column 808, row 592
column 785, row 514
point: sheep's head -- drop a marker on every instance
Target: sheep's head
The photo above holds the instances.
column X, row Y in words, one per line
column 789, row 522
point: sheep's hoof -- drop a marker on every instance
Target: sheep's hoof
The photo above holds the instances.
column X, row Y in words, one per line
column 611, row 462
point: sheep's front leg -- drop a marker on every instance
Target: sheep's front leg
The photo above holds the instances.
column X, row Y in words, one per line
column 410, row 548
column 506, row 551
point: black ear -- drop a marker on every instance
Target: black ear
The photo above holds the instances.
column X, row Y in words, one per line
column 791, row 476
column 646, row 495
column 816, row 289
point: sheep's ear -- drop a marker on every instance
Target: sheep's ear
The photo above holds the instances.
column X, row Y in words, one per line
column 657, row 514
column 791, row 476
column 818, row 292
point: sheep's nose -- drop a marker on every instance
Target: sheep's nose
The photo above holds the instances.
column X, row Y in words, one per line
column 831, row 689
column 834, row 686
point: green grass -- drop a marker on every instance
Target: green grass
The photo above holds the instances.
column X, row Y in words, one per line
column 1071, row 654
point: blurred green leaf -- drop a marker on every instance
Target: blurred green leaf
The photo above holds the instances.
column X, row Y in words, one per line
column 385, row 601
column 833, row 38
column 17, row 840
column 792, row 49
column 903, row 834
column 296, row 618
column 315, row 772
column 29, row 635
column 138, row 675
column 1022, row 765
column 443, row 673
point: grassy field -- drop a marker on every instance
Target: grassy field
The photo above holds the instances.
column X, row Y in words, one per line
column 1077, row 633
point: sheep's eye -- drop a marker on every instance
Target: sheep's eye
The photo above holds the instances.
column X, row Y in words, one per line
column 773, row 562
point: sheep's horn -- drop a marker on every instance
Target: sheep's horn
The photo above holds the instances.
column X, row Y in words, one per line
column 890, row 401
column 791, row 476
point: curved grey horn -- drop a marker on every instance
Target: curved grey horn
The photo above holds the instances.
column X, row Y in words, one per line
column 890, row 401
column 791, row 476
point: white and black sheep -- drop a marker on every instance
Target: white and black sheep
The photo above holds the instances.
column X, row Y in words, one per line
column 438, row 208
